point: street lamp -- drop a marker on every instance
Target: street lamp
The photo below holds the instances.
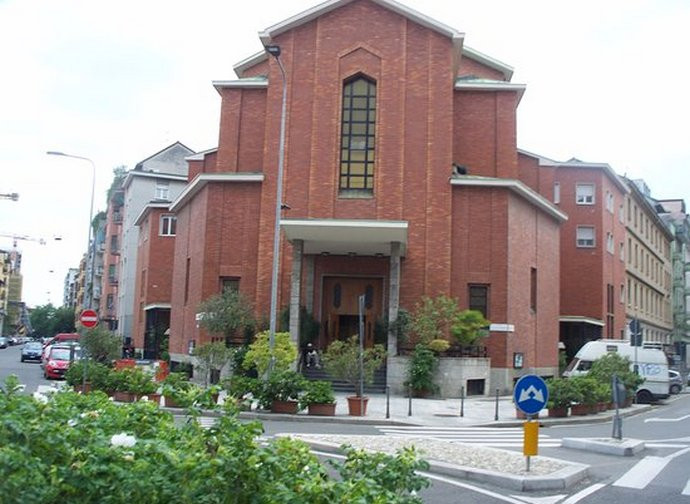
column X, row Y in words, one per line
column 93, row 187
column 274, row 50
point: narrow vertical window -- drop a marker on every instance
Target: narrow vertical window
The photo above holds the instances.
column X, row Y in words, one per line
column 357, row 136
column 533, row 289
column 162, row 189
column 168, row 225
column 556, row 192
column 479, row 299
column 186, row 281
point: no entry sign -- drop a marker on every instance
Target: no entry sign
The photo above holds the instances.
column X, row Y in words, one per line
column 88, row 318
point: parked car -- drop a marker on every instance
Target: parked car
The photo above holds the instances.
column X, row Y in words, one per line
column 32, row 351
column 676, row 382
column 59, row 359
column 13, row 340
column 3, row 342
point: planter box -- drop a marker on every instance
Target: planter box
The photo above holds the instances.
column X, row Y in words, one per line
column 560, row 412
column 85, row 389
column 357, row 406
column 321, row 409
column 124, row 396
column 582, row 409
column 289, row 407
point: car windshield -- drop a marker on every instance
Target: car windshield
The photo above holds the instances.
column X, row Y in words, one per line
column 63, row 353
column 33, row 346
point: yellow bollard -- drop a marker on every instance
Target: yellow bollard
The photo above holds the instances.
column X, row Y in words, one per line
column 530, row 445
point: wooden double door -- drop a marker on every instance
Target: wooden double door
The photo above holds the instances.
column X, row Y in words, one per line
column 341, row 307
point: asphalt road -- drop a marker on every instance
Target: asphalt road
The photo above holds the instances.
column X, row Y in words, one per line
column 29, row 373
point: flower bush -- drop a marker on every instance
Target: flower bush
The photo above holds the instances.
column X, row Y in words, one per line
column 83, row 448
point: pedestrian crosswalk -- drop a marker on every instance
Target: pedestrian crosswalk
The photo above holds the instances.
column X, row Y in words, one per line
column 509, row 437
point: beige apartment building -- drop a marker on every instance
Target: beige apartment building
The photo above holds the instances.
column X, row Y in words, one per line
column 648, row 266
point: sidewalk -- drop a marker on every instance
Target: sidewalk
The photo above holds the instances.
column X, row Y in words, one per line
column 440, row 412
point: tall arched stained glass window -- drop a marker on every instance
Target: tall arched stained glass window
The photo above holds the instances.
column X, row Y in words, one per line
column 357, row 136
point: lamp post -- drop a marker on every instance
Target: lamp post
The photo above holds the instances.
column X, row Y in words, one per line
column 93, row 187
column 274, row 51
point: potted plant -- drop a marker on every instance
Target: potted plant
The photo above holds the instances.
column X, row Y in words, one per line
column 280, row 392
column 120, row 384
column 242, row 389
column 318, row 398
column 341, row 360
column 97, row 376
column 586, row 387
column 142, row 384
column 562, row 392
column 174, row 387
column 420, row 372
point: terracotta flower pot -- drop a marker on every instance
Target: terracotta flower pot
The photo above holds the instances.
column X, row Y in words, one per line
column 581, row 409
column 321, row 409
column 357, row 406
column 170, row 402
column 289, row 407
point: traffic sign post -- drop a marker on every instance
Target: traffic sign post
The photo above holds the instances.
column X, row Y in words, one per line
column 530, row 396
column 88, row 319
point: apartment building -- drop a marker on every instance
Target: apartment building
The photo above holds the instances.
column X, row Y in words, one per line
column 592, row 245
column 153, row 288
column 160, row 178
column 111, row 256
column 69, row 297
column 648, row 266
column 401, row 180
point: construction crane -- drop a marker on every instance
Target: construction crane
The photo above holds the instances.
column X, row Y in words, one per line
column 16, row 237
column 10, row 196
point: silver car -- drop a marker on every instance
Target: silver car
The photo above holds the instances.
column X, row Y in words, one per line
column 676, row 382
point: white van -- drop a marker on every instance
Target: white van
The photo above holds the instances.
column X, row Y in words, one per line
column 652, row 365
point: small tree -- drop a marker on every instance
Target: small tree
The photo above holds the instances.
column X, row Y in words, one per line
column 433, row 318
column 101, row 345
column 341, row 360
column 212, row 357
column 259, row 353
column 468, row 326
column 226, row 314
column 607, row 365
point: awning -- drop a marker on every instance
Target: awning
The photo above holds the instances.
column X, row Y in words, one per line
column 346, row 236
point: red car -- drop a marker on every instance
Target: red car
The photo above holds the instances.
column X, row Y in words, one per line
column 59, row 359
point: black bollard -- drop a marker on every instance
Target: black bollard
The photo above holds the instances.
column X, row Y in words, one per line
column 409, row 401
column 462, row 401
column 388, row 401
column 496, row 415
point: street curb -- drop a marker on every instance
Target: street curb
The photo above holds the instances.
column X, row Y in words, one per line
column 607, row 446
column 338, row 419
column 549, row 421
column 558, row 480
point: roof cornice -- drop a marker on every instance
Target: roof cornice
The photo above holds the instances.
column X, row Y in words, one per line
column 201, row 180
column 487, row 60
column 516, row 186
column 605, row 167
column 147, row 209
column 249, row 62
column 489, row 85
column 149, row 174
column 248, row 83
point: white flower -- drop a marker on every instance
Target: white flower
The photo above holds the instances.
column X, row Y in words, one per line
column 144, row 398
column 123, row 439
column 40, row 397
column 71, row 422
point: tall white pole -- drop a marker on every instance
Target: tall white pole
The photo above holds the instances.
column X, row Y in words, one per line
column 87, row 303
column 275, row 51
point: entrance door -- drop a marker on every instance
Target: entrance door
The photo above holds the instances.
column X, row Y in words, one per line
column 341, row 310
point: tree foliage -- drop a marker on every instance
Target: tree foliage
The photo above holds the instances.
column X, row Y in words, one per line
column 341, row 360
column 46, row 320
column 259, row 353
column 101, row 344
column 212, row 357
column 227, row 313
column 440, row 318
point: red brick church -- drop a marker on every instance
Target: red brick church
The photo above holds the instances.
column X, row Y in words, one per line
column 401, row 179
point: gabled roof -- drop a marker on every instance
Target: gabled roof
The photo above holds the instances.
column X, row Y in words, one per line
column 576, row 163
column 203, row 179
column 308, row 15
column 175, row 144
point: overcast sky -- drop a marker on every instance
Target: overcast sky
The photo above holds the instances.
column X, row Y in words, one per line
column 607, row 81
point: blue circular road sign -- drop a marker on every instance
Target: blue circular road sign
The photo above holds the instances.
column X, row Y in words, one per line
column 530, row 394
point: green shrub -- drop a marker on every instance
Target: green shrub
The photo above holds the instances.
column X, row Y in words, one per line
column 317, row 392
column 607, row 365
column 98, row 375
column 439, row 345
column 421, row 370
column 281, row 386
column 587, row 388
column 562, row 392
column 259, row 354
column 84, row 448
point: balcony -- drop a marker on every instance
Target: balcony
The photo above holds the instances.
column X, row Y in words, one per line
column 117, row 217
column 112, row 280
